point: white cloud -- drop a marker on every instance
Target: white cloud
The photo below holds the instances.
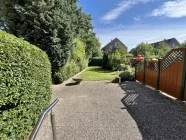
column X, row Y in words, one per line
column 181, row 35
column 172, row 9
column 137, row 19
column 120, row 8
column 135, row 34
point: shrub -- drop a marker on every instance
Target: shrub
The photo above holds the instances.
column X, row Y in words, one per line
column 96, row 61
column 128, row 73
column 105, row 64
column 25, row 86
column 111, row 61
column 76, row 63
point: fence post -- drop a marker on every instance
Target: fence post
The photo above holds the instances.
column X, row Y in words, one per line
column 144, row 69
column 158, row 75
column 183, row 77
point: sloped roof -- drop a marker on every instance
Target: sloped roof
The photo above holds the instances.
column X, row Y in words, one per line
column 168, row 41
column 110, row 45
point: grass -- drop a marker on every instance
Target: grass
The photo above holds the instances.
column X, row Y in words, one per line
column 98, row 74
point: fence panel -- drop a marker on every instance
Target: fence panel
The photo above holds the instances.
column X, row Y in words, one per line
column 140, row 72
column 171, row 70
column 185, row 93
column 151, row 73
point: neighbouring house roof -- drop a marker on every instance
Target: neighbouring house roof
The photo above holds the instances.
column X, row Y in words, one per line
column 112, row 44
column 172, row 42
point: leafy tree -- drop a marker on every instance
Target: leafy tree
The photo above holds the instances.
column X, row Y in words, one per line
column 183, row 45
column 162, row 49
column 145, row 49
column 93, row 46
column 51, row 25
column 123, row 52
column 133, row 51
column 46, row 24
column 115, row 60
column 105, row 61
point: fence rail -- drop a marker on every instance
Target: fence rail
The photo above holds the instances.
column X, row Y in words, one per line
column 167, row 74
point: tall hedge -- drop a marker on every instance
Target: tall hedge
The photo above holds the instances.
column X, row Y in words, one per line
column 25, row 86
column 75, row 64
column 96, row 61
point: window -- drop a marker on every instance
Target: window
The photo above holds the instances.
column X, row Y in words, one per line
column 173, row 44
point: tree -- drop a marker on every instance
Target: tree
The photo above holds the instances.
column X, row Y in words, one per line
column 162, row 49
column 52, row 25
column 143, row 48
column 133, row 51
column 123, row 52
column 183, row 45
column 115, row 60
column 46, row 24
column 93, row 46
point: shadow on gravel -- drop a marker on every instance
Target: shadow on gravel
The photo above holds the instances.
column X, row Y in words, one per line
column 72, row 84
column 157, row 117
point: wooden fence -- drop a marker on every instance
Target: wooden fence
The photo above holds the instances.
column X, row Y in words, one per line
column 167, row 74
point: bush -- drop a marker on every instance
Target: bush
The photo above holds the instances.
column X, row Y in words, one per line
column 128, row 73
column 25, row 86
column 96, row 61
column 105, row 64
column 76, row 63
column 111, row 61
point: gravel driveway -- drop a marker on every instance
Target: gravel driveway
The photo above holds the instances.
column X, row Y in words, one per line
column 104, row 110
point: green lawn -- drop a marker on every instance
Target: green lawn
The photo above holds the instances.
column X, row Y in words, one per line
column 98, row 74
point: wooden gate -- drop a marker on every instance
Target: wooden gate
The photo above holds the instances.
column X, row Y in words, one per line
column 151, row 73
column 140, row 72
column 171, row 70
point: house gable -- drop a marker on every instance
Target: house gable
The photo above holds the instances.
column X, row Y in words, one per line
column 110, row 46
column 172, row 42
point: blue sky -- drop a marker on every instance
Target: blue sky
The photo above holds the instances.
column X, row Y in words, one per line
column 136, row 21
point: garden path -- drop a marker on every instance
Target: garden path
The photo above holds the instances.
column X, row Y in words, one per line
column 103, row 110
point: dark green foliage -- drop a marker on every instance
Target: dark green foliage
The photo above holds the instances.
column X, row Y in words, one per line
column 96, row 61
column 106, row 64
column 183, row 45
column 25, row 86
column 76, row 63
column 113, row 60
column 143, row 48
column 128, row 73
column 162, row 49
column 123, row 54
column 92, row 47
column 52, row 25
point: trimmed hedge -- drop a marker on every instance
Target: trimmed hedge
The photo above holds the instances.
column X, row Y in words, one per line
column 75, row 64
column 128, row 73
column 96, row 61
column 25, row 86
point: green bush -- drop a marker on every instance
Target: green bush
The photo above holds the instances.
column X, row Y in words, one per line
column 128, row 73
column 111, row 61
column 105, row 64
column 96, row 61
column 76, row 63
column 25, row 86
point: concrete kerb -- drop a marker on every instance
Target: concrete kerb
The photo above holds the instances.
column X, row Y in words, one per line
column 70, row 79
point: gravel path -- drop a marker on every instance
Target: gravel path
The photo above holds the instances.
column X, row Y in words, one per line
column 103, row 110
